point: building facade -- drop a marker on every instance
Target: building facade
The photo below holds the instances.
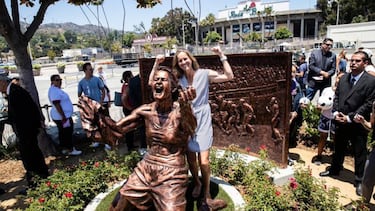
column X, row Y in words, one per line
column 353, row 35
column 265, row 17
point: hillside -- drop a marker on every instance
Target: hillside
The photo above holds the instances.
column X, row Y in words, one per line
column 62, row 27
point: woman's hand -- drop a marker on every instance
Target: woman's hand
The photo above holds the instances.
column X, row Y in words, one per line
column 217, row 50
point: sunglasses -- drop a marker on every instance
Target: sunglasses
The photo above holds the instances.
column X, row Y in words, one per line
column 58, row 79
column 355, row 60
column 329, row 45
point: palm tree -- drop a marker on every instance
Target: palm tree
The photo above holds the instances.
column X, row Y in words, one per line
column 123, row 23
column 263, row 16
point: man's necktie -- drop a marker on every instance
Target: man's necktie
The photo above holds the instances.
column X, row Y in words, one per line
column 352, row 82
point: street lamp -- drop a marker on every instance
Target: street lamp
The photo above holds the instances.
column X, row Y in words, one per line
column 194, row 23
column 183, row 32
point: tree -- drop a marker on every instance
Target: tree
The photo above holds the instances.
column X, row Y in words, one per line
column 254, row 37
column 18, row 40
column 51, row 55
column 171, row 25
column 70, row 36
column 128, row 39
column 212, row 37
column 208, row 21
column 10, row 29
column 283, row 33
column 116, row 47
column 350, row 11
column 3, row 45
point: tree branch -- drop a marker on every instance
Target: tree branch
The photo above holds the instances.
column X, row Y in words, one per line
column 5, row 21
column 15, row 16
column 38, row 19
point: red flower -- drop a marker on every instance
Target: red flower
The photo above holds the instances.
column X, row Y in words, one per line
column 96, row 164
column 68, row 194
column 83, row 163
column 263, row 147
column 55, row 186
column 48, row 183
column 278, row 193
column 41, row 200
column 248, row 149
column 293, row 185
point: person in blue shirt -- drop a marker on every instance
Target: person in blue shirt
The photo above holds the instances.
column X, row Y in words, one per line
column 92, row 87
column 341, row 62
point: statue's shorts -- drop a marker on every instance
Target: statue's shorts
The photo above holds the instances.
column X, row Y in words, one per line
column 159, row 181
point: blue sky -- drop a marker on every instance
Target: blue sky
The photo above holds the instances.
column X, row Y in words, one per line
column 62, row 12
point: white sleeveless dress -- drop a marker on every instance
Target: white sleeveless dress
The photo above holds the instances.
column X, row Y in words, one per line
column 203, row 137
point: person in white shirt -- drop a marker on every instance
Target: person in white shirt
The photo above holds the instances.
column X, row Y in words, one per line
column 102, row 75
column 369, row 66
column 61, row 114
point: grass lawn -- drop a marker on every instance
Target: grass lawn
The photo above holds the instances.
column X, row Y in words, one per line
column 216, row 192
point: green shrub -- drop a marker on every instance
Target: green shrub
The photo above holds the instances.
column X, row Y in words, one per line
column 309, row 129
column 75, row 186
column 60, row 64
column 11, row 68
column 370, row 142
column 80, row 65
column 308, row 193
column 37, row 66
column 303, row 192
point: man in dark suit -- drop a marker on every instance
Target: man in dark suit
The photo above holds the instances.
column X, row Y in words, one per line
column 25, row 117
column 353, row 97
column 322, row 65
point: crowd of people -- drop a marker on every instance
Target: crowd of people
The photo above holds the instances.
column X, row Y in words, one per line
column 346, row 107
column 347, row 115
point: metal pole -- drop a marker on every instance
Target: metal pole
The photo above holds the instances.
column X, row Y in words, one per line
column 196, row 35
column 183, row 33
column 338, row 12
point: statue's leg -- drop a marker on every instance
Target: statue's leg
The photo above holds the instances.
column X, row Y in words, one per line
column 120, row 203
column 193, row 167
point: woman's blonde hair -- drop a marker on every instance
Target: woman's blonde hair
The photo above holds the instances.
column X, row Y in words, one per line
column 176, row 69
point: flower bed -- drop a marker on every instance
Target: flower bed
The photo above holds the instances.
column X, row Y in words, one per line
column 74, row 187
column 303, row 192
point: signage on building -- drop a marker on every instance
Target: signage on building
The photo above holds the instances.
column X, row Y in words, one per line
column 252, row 8
column 152, row 40
column 249, row 10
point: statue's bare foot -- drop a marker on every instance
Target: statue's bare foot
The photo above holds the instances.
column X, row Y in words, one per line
column 197, row 190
